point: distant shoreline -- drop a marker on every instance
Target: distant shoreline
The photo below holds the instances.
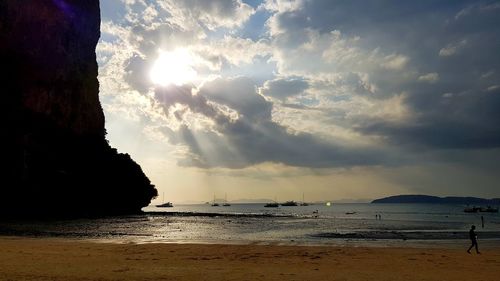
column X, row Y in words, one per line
column 427, row 199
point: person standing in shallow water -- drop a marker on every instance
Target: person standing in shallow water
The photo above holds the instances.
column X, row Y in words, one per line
column 473, row 239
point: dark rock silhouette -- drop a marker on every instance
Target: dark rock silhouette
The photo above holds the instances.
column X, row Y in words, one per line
column 56, row 160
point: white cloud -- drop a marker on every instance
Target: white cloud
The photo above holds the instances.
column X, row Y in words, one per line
column 212, row 14
column 429, row 77
column 281, row 5
column 452, row 49
column 395, row 62
column 234, row 50
column 493, row 88
column 487, row 74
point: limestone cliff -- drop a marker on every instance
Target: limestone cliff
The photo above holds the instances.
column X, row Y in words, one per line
column 55, row 155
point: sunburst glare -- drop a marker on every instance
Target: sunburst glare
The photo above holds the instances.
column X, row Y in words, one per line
column 175, row 67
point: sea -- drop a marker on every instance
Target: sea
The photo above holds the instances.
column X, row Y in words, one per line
column 362, row 224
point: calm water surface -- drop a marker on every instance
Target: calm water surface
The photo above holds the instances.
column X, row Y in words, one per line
column 340, row 224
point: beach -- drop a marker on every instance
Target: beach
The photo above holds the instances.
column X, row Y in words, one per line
column 24, row 258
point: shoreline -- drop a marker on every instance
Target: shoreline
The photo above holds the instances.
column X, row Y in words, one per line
column 314, row 241
column 69, row 259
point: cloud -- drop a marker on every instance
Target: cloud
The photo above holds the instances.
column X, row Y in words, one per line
column 493, row 88
column 395, row 62
column 283, row 88
column 452, row 49
column 212, row 14
column 326, row 85
column 460, row 122
column 251, row 137
column 233, row 50
column 429, row 77
column 372, row 49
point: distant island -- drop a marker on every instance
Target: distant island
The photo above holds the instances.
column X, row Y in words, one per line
column 437, row 200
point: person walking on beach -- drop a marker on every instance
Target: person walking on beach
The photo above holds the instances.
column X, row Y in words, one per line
column 473, row 239
column 482, row 222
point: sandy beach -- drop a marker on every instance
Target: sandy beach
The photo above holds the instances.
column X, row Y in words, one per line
column 66, row 259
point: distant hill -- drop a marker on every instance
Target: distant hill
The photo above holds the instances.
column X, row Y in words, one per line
column 437, row 200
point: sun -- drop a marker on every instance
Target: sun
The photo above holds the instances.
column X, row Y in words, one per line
column 175, row 67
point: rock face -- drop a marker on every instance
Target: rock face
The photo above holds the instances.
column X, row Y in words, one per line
column 56, row 159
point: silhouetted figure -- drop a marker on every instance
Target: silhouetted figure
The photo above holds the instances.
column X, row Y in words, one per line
column 482, row 222
column 473, row 239
column 315, row 213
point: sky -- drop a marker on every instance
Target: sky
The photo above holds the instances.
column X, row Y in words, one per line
column 280, row 98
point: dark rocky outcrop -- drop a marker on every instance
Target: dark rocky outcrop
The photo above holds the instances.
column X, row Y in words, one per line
column 56, row 160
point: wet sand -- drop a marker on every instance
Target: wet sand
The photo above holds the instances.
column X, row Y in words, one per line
column 66, row 259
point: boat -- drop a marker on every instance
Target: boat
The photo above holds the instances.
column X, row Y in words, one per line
column 226, row 204
column 472, row 209
column 304, row 203
column 215, row 204
column 272, row 205
column 289, row 203
column 475, row 209
column 489, row 209
column 164, row 205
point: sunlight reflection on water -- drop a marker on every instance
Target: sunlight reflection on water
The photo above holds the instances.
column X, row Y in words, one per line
column 341, row 224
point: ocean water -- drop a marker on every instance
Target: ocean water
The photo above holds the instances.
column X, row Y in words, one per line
column 339, row 224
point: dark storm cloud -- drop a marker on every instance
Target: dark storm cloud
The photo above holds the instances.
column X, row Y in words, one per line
column 465, row 121
column 253, row 138
column 451, row 45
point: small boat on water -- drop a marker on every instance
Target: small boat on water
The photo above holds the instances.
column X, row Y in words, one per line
column 164, row 205
column 289, row 203
column 472, row 209
column 215, row 204
column 475, row 209
column 489, row 209
column 303, row 203
column 272, row 205
column 226, row 204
